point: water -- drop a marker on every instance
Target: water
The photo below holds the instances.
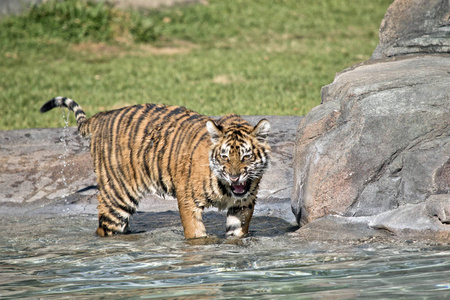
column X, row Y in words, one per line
column 65, row 139
column 58, row 256
column 50, row 252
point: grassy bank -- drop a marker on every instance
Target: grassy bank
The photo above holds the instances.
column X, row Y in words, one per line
column 247, row 57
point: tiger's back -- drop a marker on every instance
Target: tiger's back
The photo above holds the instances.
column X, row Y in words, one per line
column 143, row 144
column 164, row 150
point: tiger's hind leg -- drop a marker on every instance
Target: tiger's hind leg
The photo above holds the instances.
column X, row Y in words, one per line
column 112, row 218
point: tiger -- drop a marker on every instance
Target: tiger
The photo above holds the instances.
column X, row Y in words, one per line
column 171, row 150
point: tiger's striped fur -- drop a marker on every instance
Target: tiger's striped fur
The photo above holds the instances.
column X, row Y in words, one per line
column 170, row 150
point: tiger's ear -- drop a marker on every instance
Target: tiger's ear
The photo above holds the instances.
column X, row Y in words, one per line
column 214, row 130
column 261, row 130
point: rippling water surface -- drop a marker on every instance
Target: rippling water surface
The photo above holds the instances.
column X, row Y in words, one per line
column 60, row 257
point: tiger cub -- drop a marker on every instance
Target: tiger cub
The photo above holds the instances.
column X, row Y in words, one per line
column 171, row 150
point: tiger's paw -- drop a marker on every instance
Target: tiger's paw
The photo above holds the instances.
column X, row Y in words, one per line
column 104, row 232
column 195, row 235
column 235, row 232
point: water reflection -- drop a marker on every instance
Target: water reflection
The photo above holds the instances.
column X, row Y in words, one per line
column 49, row 256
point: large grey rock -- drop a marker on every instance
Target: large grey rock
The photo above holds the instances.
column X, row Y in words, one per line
column 377, row 150
column 379, row 143
column 429, row 217
column 414, row 26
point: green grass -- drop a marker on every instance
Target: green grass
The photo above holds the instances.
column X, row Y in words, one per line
column 247, row 57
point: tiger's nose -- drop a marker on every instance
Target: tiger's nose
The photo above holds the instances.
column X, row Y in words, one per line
column 234, row 178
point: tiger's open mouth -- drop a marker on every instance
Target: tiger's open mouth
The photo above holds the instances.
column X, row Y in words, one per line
column 240, row 189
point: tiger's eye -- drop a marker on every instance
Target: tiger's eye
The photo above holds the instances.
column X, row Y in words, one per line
column 247, row 157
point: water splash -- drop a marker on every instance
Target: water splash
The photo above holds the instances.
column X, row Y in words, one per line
column 63, row 157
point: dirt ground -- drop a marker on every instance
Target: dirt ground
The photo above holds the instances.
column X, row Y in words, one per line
column 153, row 3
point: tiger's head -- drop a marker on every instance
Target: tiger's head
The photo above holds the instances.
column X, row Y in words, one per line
column 239, row 155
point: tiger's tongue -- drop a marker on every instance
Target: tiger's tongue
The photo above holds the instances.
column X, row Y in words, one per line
column 239, row 188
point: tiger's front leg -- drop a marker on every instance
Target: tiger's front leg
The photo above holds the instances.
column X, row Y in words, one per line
column 238, row 220
column 191, row 219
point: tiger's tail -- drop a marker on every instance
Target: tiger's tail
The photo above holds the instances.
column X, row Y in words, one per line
column 71, row 105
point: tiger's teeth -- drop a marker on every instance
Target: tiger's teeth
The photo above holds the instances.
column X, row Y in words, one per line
column 239, row 188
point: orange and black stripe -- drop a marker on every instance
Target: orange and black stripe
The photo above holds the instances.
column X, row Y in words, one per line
column 157, row 148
